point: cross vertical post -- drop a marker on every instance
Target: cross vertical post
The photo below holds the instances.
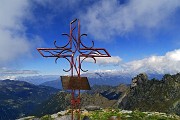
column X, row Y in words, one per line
column 75, row 52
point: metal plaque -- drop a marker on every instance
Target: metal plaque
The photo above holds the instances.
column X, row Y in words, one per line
column 75, row 83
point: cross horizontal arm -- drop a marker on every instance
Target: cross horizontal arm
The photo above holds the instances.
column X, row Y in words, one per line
column 94, row 52
column 55, row 52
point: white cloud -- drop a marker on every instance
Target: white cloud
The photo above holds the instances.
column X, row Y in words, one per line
column 8, row 77
column 6, row 73
column 169, row 63
column 11, row 14
column 110, row 18
column 173, row 55
column 13, row 40
column 113, row 60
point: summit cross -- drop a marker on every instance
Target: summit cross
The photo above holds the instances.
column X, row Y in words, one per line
column 75, row 52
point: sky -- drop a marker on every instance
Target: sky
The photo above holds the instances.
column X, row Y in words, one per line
column 140, row 35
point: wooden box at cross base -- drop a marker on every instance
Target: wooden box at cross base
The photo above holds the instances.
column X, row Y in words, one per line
column 75, row 83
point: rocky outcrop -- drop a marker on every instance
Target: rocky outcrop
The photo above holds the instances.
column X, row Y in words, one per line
column 139, row 80
column 153, row 95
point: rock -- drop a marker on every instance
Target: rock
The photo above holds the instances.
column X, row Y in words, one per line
column 92, row 108
column 126, row 111
column 122, row 88
column 28, row 118
column 86, row 118
column 114, row 118
column 139, row 79
column 66, row 117
column 176, row 107
column 134, row 83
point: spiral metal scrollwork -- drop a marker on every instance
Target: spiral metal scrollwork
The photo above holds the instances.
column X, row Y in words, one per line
column 74, row 51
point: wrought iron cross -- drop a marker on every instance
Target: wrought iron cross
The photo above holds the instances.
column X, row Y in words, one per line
column 75, row 52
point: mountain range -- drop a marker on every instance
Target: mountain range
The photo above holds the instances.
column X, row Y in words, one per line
column 95, row 78
column 142, row 94
column 19, row 98
column 39, row 79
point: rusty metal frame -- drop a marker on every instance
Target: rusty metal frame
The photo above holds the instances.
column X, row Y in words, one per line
column 74, row 46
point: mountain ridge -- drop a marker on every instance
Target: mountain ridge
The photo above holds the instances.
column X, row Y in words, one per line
column 141, row 93
column 19, row 98
column 153, row 95
column 101, row 78
column 95, row 78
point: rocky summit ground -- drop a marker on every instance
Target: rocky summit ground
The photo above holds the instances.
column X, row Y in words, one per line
column 107, row 114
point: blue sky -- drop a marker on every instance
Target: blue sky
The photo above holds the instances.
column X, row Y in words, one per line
column 140, row 35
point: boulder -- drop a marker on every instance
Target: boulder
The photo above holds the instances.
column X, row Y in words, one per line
column 139, row 79
column 92, row 108
column 114, row 118
column 86, row 118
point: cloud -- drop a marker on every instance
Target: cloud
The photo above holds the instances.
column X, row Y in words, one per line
column 112, row 18
column 14, row 42
column 8, row 77
column 169, row 63
column 6, row 73
column 104, row 61
column 173, row 55
column 5, row 70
